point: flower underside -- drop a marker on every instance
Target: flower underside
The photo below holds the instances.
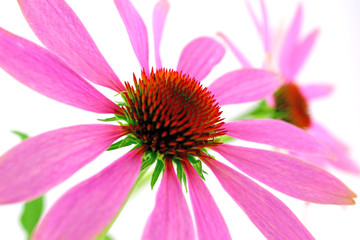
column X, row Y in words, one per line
column 172, row 114
column 291, row 106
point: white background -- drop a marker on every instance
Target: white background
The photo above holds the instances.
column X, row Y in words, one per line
column 335, row 60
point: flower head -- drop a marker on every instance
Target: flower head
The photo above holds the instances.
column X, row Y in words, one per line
column 291, row 100
column 169, row 117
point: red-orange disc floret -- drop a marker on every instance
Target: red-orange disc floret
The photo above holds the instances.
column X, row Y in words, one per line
column 172, row 113
column 292, row 106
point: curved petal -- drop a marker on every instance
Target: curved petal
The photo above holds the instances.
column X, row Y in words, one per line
column 171, row 217
column 253, row 17
column 276, row 133
column 339, row 149
column 268, row 213
column 289, row 44
column 199, row 57
column 288, row 175
column 86, row 209
column 60, row 30
column 136, row 30
column 314, row 91
column 244, row 85
column 265, row 27
column 39, row 163
column 45, row 73
column 210, row 224
column 300, row 53
column 238, row 54
column 159, row 15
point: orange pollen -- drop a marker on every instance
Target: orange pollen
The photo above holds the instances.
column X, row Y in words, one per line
column 172, row 113
column 291, row 106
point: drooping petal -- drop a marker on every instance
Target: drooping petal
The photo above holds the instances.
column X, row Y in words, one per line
column 238, row 54
column 314, row 91
column 60, row 30
column 253, row 17
column 288, row 174
column 210, row 224
column 171, row 217
column 39, row 163
column 300, row 53
column 339, row 149
column 47, row 74
column 244, row 85
column 276, row 133
column 265, row 28
column 159, row 15
column 289, row 44
column 200, row 56
column 85, row 210
column 269, row 214
column 137, row 32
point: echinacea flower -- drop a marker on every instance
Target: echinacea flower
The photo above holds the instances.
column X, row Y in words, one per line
column 170, row 118
column 286, row 54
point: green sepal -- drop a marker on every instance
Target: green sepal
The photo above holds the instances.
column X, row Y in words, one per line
column 31, row 214
column 197, row 164
column 261, row 111
column 129, row 140
column 23, row 136
column 149, row 157
column 112, row 119
column 181, row 173
column 159, row 168
column 108, row 119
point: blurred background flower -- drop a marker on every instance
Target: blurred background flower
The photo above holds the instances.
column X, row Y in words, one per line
column 335, row 59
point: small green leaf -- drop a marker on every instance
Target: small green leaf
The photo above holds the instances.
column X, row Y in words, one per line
column 108, row 238
column 22, row 135
column 148, row 159
column 158, row 169
column 262, row 110
column 181, row 173
column 31, row 214
column 197, row 164
column 122, row 143
column 108, row 119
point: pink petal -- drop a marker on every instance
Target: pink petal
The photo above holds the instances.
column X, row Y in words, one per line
column 269, row 214
column 288, row 175
column 200, row 56
column 60, row 30
column 313, row 91
column 300, row 53
column 289, row 44
column 339, row 149
column 244, row 85
column 39, row 163
column 171, row 217
column 159, row 15
column 45, row 73
column 85, row 210
column 276, row 133
column 265, row 28
column 210, row 223
column 238, row 54
column 256, row 22
column 136, row 30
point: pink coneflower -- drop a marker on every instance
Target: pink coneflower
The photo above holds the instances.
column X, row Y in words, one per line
column 170, row 118
column 291, row 100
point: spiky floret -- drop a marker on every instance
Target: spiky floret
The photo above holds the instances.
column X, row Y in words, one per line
column 291, row 106
column 172, row 114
